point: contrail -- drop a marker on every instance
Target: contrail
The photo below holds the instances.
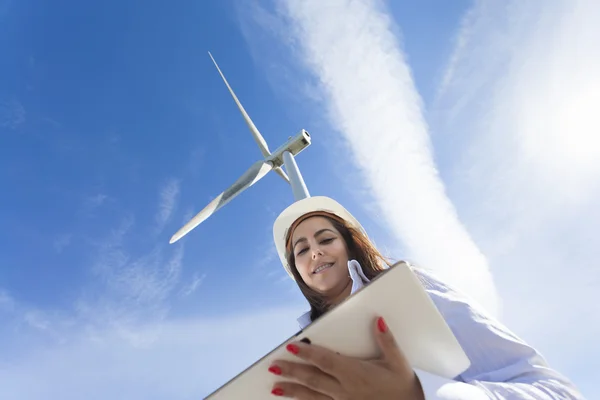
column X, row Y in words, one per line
column 352, row 49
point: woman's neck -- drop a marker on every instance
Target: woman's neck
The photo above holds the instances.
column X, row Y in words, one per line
column 342, row 295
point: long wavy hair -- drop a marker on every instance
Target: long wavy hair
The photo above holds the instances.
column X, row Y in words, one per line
column 359, row 247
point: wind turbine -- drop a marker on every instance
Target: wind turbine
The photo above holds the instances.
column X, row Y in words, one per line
column 284, row 155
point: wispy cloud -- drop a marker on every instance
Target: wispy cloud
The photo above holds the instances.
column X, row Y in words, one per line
column 353, row 53
column 467, row 27
column 168, row 199
column 7, row 303
column 12, row 113
column 26, row 324
column 515, row 126
column 519, row 105
column 96, row 200
column 61, row 242
column 130, row 289
column 91, row 203
column 187, row 359
column 134, row 289
column 193, row 285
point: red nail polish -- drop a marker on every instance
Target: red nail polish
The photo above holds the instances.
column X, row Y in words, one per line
column 292, row 348
column 381, row 325
column 277, row 391
column 275, row 370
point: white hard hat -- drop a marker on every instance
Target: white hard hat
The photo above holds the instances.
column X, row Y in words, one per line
column 301, row 207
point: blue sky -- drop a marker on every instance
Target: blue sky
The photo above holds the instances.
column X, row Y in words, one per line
column 115, row 128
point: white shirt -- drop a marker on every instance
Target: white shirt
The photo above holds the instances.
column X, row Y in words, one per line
column 503, row 367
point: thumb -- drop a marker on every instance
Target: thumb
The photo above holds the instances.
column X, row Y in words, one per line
column 391, row 352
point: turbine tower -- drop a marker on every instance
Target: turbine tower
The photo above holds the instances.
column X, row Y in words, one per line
column 284, row 155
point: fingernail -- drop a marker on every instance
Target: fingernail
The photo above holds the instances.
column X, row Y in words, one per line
column 277, row 391
column 275, row 370
column 306, row 340
column 292, row 348
column 381, row 325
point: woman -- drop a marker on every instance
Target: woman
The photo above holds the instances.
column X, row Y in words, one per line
column 326, row 251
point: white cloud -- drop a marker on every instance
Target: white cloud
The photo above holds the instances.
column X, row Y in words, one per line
column 27, row 324
column 12, row 113
column 120, row 342
column 7, row 303
column 61, row 242
column 130, row 288
column 531, row 159
column 520, row 107
column 187, row 359
column 168, row 198
column 515, row 127
column 352, row 50
column 93, row 202
column 193, row 285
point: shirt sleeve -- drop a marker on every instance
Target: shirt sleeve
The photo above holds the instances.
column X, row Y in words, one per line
column 502, row 366
column 439, row 388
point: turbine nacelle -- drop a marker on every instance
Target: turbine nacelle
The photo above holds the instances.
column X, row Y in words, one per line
column 294, row 146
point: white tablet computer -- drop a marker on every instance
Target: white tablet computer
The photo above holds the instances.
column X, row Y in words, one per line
column 410, row 314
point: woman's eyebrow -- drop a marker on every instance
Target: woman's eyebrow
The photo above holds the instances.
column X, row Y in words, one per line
column 317, row 233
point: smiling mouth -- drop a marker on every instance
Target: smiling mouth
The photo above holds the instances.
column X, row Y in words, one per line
column 322, row 268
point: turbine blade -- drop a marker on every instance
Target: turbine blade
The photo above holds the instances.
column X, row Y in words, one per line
column 282, row 174
column 258, row 138
column 256, row 172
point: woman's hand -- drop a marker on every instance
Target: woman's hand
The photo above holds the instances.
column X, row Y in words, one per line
column 329, row 375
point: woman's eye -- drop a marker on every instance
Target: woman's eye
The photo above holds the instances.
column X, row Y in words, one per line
column 326, row 241
column 302, row 251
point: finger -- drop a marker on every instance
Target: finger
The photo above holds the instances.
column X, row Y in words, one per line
column 391, row 352
column 297, row 391
column 326, row 360
column 307, row 375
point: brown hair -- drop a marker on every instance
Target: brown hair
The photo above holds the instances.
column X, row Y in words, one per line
column 360, row 248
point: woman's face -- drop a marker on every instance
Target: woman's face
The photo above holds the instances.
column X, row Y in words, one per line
column 321, row 256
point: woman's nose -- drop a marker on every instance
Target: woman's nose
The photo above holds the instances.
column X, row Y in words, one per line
column 317, row 251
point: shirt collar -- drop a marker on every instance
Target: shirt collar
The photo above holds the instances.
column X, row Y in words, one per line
column 359, row 280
